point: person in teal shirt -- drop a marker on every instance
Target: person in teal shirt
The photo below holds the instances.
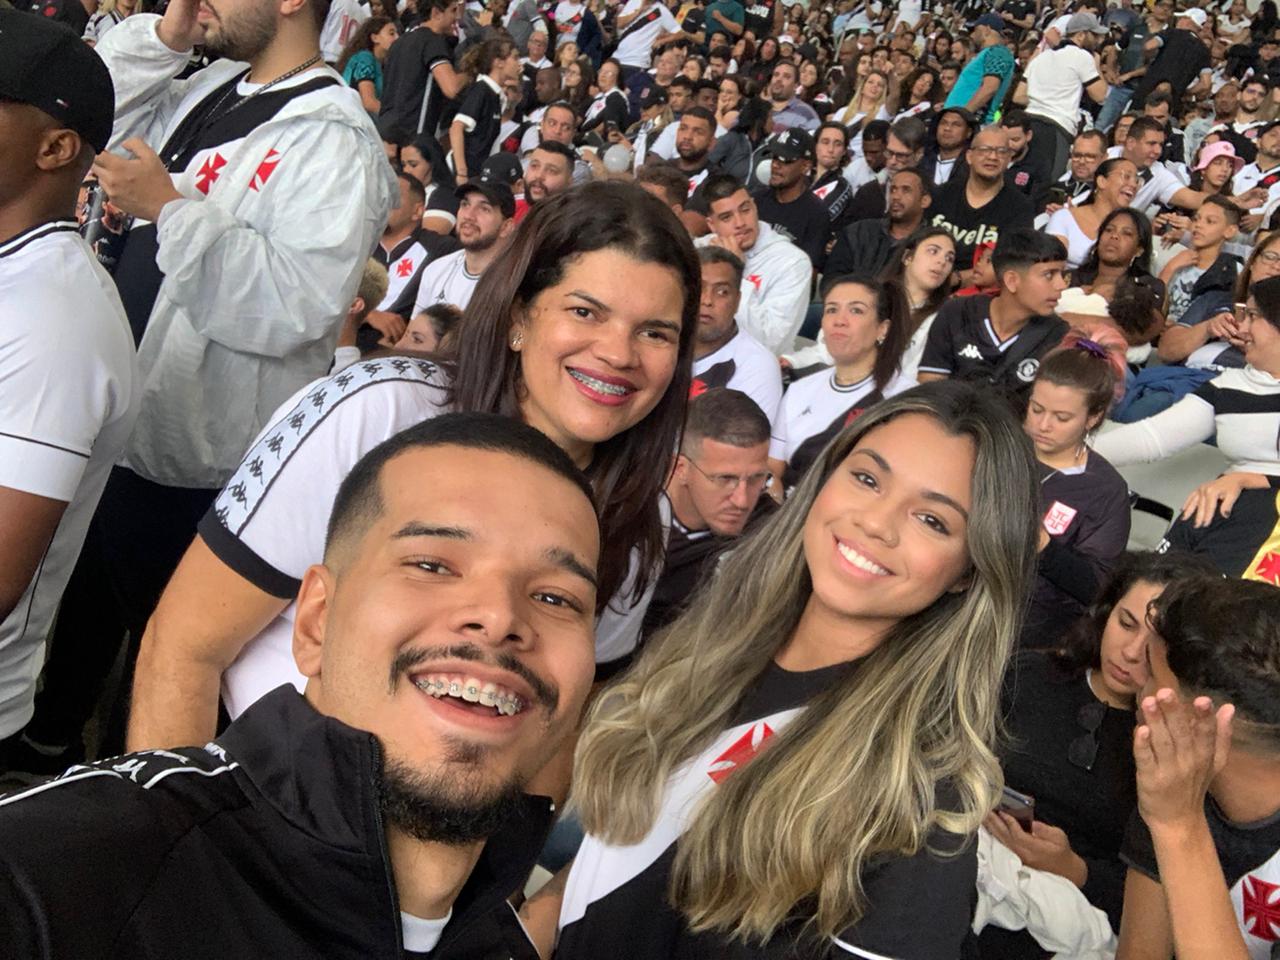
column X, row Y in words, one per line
column 982, row 84
column 732, row 11
column 362, row 57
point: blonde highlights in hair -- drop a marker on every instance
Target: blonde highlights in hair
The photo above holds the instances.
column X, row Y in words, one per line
column 854, row 777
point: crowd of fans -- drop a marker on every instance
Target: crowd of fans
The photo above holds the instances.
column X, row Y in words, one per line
column 643, row 479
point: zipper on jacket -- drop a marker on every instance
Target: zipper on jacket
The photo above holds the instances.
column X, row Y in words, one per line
column 376, row 780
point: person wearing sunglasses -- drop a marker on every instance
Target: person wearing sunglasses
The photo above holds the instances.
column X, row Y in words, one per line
column 1069, row 714
column 865, row 329
column 715, row 495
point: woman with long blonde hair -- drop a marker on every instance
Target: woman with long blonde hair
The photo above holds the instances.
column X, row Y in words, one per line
column 806, row 753
column 868, row 102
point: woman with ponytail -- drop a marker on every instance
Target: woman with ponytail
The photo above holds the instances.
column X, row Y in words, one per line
column 1084, row 502
column 796, row 766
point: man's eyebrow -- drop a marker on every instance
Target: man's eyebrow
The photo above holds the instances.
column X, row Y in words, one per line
column 933, row 495
column 567, row 561
column 415, row 528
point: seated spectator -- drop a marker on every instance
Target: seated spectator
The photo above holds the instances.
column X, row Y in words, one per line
column 405, row 248
column 715, row 495
column 423, row 159
column 944, row 158
column 724, row 355
column 428, row 706
column 1084, row 502
column 903, row 149
column 787, row 203
column 982, row 207
column 1001, row 339
column 486, row 219
column 864, row 325
column 548, row 170
column 361, row 61
column 1069, row 714
column 669, row 185
column 788, row 109
column 922, row 266
column 776, row 280
column 435, row 330
column 1200, row 281
column 69, row 387
column 1202, row 857
column 372, row 289
column 831, row 151
column 866, row 247
column 868, row 152
column 1123, row 249
column 1241, row 409
column 1078, row 225
column 758, row 656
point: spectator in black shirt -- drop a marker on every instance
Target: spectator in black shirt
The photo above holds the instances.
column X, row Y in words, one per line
column 73, row 13
column 475, row 126
column 1069, row 714
column 1182, row 61
column 1028, row 170
column 866, row 247
column 944, row 159
column 980, row 208
column 831, row 152
column 1000, row 339
column 788, row 204
column 715, row 493
column 418, row 76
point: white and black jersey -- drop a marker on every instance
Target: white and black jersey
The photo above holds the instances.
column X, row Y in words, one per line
column 814, row 409
column 446, row 280
column 405, row 262
column 963, row 344
column 616, row 900
column 412, row 101
column 1240, row 407
column 608, row 107
column 480, row 113
column 1250, row 857
column 742, row 364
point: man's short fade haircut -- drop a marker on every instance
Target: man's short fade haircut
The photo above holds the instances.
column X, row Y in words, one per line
column 673, row 184
column 1142, row 126
column 417, row 191
column 1022, row 248
column 681, row 81
column 720, row 186
column 1222, row 638
column 725, row 416
column 1093, row 135
column 359, row 501
column 559, row 149
column 875, row 130
column 710, row 254
column 1229, row 209
column 701, row 113
column 1016, row 118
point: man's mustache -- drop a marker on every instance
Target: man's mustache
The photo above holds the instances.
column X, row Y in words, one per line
column 544, row 691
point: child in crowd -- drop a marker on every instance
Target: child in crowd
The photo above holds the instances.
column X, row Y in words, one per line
column 1192, row 276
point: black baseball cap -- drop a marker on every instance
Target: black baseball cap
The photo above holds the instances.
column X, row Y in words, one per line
column 494, row 182
column 790, row 145
column 44, row 64
column 655, row 96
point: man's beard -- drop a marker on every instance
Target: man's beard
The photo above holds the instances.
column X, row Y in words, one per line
column 245, row 36
column 444, row 807
column 480, row 243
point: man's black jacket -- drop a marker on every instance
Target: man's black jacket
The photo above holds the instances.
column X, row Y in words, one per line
column 268, row 842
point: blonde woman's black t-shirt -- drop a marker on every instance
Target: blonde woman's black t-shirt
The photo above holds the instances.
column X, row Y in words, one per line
column 616, row 902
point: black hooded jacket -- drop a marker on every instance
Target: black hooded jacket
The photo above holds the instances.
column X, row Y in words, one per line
column 268, row 842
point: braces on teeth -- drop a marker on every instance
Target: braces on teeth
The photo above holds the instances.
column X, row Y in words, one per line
column 487, row 694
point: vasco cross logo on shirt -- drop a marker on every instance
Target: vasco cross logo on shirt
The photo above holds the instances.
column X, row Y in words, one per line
column 209, row 172
column 1261, row 909
column 742, row 751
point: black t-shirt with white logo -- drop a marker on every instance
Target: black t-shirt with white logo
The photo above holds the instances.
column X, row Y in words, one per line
column 971, row 227
column 1250, row 858
column 759, row 18
column 616, row 901
column 963, row 345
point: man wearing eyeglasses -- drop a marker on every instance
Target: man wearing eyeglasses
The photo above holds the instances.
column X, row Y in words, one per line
column 714, row 494
column 978, row 209
column 904, row 149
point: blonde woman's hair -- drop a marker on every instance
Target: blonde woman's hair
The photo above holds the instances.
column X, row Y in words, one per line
column 854, row 777
column 854, row 106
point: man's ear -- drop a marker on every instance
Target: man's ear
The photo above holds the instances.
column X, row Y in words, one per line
column 357, row 307
column 926, row 201
column 310, row 620
column 59, row 147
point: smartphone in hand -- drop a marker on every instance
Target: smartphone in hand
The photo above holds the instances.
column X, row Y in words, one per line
column 1020, row 806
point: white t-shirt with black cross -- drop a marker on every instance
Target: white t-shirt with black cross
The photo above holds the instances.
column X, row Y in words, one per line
column 446, row 280
column 746, row 365
column 811, row 404
column 69, row 395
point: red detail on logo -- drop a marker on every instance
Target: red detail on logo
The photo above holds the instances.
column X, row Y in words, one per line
column 1059, row 518
column 1261, row 910
column 404, row 268
column 1269, row 569
column 852, row 415
column 697, row 388
column 209, row 172
column 1021, row 178
column 743, row 750
column 264, row 171
column 755, row 280
column 821, row 192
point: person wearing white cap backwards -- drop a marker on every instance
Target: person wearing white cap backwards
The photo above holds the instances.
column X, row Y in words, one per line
column 1182, row 60
column 1054, row 83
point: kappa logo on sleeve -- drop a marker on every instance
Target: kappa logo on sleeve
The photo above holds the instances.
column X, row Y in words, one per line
column 743, row 750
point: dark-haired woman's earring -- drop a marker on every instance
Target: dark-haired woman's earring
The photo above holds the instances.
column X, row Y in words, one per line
column 880, row 341
column 516, row 341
